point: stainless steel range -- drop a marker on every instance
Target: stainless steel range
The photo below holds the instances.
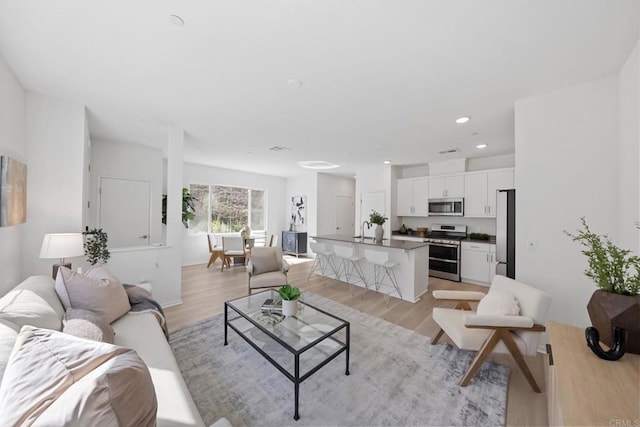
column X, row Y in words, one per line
column 444, row 250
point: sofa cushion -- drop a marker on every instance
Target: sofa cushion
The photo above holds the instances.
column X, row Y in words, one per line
column 498, row 303
column 101, row 295
column 33, row 302
column 140, row 330
column 88, row 325
column 8, row 334
column 57, row 379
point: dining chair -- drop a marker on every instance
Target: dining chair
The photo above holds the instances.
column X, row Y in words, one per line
column 216, row 251
column 232, row 247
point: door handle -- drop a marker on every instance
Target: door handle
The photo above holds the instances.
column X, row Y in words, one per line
column 144, row 236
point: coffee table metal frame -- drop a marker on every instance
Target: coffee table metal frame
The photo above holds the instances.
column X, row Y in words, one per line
column 296, row 378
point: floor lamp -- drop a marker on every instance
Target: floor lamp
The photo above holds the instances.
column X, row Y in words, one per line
column 61, row 246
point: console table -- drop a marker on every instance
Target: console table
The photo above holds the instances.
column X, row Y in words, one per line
column 583, row 389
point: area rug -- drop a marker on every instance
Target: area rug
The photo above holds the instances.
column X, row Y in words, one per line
column 396, row 379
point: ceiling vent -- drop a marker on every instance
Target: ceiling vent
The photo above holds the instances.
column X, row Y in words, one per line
column 279, row 148
column 450, row 151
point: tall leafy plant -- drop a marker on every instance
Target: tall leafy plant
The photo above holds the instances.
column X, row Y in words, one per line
column 612, row 269
column 95, row 246
column 377, row 218
column 188, row 207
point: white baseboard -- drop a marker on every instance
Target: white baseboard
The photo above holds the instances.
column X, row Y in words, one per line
column 171, row 304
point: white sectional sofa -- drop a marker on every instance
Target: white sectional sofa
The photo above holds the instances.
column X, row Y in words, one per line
column 35, row 302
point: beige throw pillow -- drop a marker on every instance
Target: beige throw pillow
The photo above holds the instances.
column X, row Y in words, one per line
column 498, row 303
column 57, row 379
column 265, row 263
column 103, row 296
column 88, row 325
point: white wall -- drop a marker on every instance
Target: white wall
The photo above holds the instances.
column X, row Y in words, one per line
column 55, row 143
column 128, row 161
column 566, row 163
column 330, row 187
column 12, row 144
column 195, row 249
column 628, row 156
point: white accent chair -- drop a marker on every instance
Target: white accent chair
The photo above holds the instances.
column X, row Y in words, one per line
column 487, row 333
column 267, row 268
column 233, row 246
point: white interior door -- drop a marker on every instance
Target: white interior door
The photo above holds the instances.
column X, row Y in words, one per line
column 125, row 207
column 345, row 215
column 371, row 201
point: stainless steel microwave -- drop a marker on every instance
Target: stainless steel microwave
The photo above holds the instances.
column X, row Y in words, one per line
column 446, row 207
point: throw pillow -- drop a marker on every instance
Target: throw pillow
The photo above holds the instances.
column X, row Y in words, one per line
column 265, row 263
column 58, row 379
column 498, row 303
column 102, row 296
column 87, row 324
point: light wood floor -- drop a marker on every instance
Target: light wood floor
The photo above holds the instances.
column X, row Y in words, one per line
column 204, row 292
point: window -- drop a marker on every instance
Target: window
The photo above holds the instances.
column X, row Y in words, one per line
column 222, row 209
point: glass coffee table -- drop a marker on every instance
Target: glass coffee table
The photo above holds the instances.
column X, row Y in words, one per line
column 297, row 346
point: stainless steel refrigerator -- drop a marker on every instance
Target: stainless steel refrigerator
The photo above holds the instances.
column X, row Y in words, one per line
column 506, row 233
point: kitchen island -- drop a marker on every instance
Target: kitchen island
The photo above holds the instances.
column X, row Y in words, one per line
column 412, row 260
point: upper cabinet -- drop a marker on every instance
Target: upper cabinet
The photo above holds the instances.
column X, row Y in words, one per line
column 412, row 196
column 480, row 191
column 446, row 186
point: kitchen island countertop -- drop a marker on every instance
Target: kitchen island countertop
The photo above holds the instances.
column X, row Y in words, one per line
column 386, row 243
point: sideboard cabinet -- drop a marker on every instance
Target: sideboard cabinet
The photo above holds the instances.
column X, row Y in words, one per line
column 294, row 242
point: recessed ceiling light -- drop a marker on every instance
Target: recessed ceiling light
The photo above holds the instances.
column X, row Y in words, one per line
column 481, row 146
column 294, row 83
column 387, row 162
column 462, row 120
column 176, row 20
column 317, row 164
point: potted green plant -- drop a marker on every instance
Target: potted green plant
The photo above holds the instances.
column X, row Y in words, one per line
column 377, row 218
column 616, row 272
column 95, row 246
column 289, row 295
column 188, row 207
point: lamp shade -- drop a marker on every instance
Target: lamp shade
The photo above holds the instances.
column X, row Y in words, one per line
column 62, row 245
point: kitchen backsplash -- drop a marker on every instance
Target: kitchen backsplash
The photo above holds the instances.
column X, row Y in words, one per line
column 474, row 225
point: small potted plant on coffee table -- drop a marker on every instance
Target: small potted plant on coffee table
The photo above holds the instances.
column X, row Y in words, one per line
column 289, row 295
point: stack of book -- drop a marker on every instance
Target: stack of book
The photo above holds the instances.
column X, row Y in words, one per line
column 271, row 305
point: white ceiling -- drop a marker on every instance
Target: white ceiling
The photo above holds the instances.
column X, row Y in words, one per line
column 381, row 79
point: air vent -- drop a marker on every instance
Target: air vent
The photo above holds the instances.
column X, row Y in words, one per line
column 450, row 151
column 279, row 148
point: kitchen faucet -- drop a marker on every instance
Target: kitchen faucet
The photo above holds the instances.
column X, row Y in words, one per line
column 362, row 228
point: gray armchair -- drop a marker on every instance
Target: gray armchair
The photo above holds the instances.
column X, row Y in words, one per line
column 266, row 268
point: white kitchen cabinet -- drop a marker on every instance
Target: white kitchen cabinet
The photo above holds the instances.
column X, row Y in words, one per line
column 412, row 196
column 446, row 186
column 480, row 191
column 478, row 262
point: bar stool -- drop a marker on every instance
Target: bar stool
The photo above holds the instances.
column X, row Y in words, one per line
column 349, row 264
column 383, row 268
column 323, row 261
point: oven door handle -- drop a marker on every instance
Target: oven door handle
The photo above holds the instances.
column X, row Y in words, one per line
column 452, row 261
column 444, row 245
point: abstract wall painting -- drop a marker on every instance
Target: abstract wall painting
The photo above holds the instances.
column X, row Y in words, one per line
column 13, row 192
column 299, row 213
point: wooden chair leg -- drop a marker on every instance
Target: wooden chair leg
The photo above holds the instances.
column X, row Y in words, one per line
column 212, row 259
column 225, row 261
column 484, row 351
column 517, row 355
column 437, row 337
column 462, row 305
